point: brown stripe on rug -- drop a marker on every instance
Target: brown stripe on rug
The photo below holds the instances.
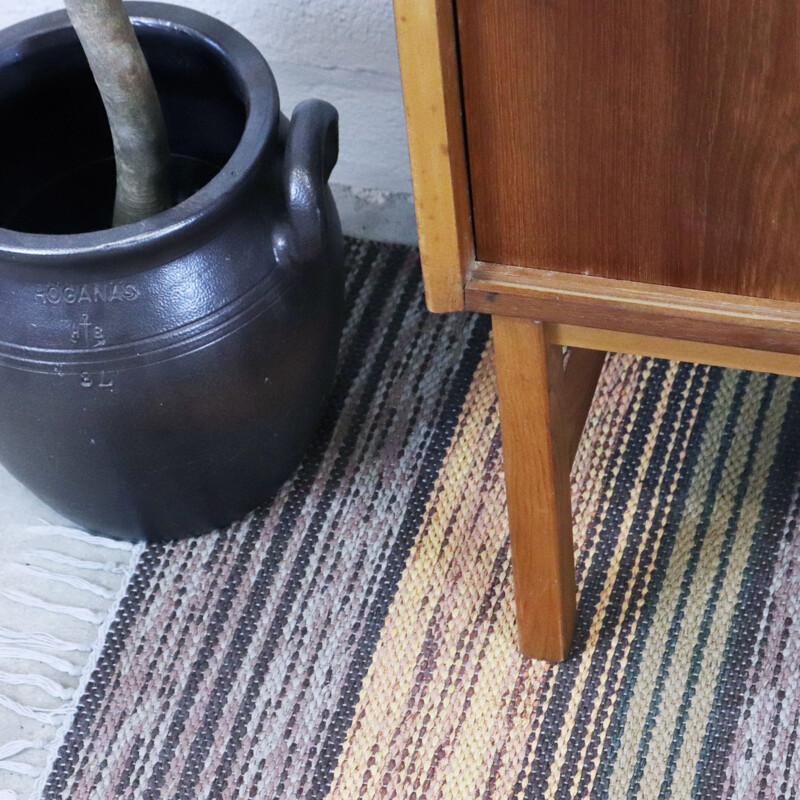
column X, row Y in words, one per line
column 356, row 637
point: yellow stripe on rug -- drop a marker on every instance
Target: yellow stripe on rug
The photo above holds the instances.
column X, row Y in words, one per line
column 652, row 774
column 446, row 683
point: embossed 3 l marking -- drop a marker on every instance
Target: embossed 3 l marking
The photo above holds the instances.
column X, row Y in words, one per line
column 93, row 381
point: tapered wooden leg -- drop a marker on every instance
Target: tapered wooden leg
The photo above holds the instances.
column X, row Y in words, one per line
column 541, row 425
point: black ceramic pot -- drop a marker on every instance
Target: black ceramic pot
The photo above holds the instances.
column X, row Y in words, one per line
column 162, row 378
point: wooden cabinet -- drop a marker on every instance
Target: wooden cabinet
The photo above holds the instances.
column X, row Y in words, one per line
column 612, row 176
column 644, row 140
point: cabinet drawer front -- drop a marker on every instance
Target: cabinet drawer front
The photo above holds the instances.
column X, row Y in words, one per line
column 645, row 140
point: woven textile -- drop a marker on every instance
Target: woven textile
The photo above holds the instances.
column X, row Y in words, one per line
column 355, row 638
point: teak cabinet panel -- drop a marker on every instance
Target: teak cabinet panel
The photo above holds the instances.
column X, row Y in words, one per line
column 645, row 140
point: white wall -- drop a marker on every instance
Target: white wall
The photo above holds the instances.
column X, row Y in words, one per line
column 343, row 51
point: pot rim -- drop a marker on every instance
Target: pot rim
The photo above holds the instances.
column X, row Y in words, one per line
column 259, row 94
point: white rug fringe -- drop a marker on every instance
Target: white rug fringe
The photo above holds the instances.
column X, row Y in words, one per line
column 44, row 640
column 47, row 716
column 79, row 563
column 19, row 768
column 76, row 535
column 61, row 589
column 76, row 583
column 47, row 685
column 111, row 613
column 26, row 654
column 20, row 746
column 25, row 599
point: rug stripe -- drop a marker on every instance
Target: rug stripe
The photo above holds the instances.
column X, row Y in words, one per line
column 658, row 651
column 586, row 553
column 779, row 514
column 718, row 616
column 140, row 594
column 714, row 623
column 640, row 584
column 388, row 676
column 218, row 632
column 625, row 579
column 615, row 518
column 412, row 527
column 336, row 544
column 595, row 516
column 695, row 418
column 402, row 543
column 413, row 627
column 359, row 633
column 700, row 585
column 255, row 604
column 705, row 551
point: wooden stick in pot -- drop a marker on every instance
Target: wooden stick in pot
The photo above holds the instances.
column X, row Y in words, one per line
column 134, row 112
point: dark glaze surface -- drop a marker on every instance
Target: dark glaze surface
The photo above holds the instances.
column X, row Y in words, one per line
column 161, row 379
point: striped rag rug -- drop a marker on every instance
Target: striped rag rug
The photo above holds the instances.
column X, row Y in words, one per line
column 355, row 638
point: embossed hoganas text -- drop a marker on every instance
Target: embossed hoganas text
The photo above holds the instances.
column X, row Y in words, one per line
column 109, row 292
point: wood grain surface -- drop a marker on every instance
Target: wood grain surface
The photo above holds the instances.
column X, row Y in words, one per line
column 428, row 50
column 646, row 140
column 581, row 373
column 536, row 442
column 674, row 349
column 690, row 314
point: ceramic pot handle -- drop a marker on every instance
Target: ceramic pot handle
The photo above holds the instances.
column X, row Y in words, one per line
column 312, row 149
